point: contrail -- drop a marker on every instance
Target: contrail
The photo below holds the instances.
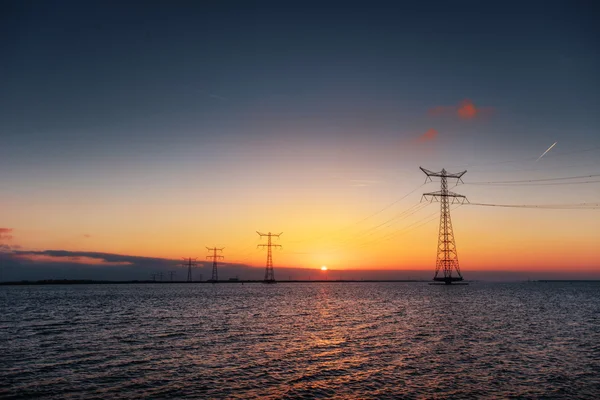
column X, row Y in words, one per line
column 549, row 148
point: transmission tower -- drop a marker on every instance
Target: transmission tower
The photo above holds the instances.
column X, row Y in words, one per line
column 269, row 274
column 215, row 257
column 189, row 263
column 172, row 274
column 447, row 257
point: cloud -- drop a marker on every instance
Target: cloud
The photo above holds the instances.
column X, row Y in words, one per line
column 4, row 248
column 5, row 233
column 84, row 257
column 141, row 268
column 5, row 236
column 87, row 236
column 428, row 136
column 48, row 258
column 466, row 110
column 61, row 264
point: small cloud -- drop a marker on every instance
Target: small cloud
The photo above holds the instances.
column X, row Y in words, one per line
column 428, row 136
column 5, row 236
column 363, row 182
column 466, row 110
column 5, row 233
column 217, row 97
column 9, row 248
column 87, row 236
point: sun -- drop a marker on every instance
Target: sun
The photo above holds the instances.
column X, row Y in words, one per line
column 324, row 268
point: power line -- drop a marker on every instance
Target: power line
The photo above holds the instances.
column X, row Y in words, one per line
column 531, row 184
column 402, row 216
column 423, row 221
column 395, row 233
column 411, row 208
column 548, row 168
column 372, row 230
column 536, row 180
column 365, row 218
column 245, row 253
column 269, row 273
column 215, row 257
column 391, row 204
column 528, row 159
column 447, row 255
column 577, row 206
column 189, row 263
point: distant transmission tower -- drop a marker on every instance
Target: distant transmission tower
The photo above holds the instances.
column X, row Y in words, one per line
column 172, row 274
column 215, row 257
column 447, row 257
column 189, row 263
column 269, row 274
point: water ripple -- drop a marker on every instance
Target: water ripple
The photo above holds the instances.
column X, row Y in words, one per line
column 304, row 341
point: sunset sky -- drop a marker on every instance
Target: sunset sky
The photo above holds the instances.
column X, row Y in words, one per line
column 157, row 130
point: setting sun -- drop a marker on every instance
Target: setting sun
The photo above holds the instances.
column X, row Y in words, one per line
column 324, row 268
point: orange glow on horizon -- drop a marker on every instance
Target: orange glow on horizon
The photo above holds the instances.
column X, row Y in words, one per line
column 327, row 220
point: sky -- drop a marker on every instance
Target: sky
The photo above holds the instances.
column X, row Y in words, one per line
column 150, row 132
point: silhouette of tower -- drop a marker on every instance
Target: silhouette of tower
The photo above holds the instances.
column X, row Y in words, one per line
column 269, row 274
column 447, row 256
column 215, row 257
column 189, row 263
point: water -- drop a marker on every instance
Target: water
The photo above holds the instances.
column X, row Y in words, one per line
column 327, row 340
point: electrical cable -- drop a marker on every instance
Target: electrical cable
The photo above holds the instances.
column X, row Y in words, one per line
column 577, row 206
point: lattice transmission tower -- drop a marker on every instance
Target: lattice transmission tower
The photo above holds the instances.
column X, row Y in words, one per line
column 269, row 274
column 215, row 257
column 189, row 263
column 447, row 256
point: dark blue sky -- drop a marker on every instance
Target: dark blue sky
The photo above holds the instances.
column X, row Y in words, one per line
column 91, row 84
column 77, row 75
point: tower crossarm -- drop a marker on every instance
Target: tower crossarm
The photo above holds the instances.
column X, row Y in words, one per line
column 214, row 255
column 442, row 174
column 453, row 198
column 270, row 234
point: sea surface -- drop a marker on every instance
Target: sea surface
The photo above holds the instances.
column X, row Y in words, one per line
column 301, row 340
